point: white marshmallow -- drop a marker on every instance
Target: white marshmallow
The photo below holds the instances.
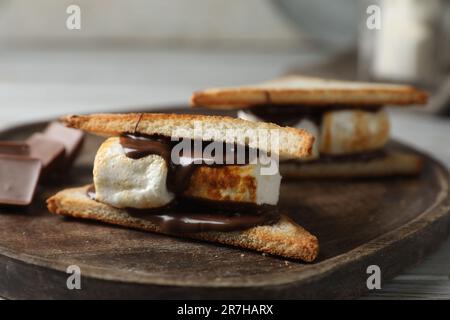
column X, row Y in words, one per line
column 127, row 183
column 343, row 131
column 267, row 187
column 353, row 131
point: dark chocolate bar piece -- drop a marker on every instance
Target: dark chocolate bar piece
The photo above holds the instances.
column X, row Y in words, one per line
column 72, row 139
column 19, row 176
column 50, row 152
column 14, row 148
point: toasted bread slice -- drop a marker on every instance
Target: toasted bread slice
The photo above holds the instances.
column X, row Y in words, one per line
column 395, row 163
column 297, row 90
column 293, row 143
column 285, row 238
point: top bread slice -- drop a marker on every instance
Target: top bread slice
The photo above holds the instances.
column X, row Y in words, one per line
column 293, row 143
column 293, row 90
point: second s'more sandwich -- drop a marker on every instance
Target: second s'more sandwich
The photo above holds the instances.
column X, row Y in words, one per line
column 347, row 118
column 203, row 177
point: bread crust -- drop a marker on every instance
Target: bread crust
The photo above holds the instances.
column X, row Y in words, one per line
column 285, row 238
column 293, row 90
column 294, row 143
column 393, row 164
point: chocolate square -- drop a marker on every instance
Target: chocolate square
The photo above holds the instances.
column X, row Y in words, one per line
column 49, row 151
column 19, row 176
column 72, row 139
column 14, row 148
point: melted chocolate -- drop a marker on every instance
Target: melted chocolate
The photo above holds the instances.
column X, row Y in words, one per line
column 284, row 115
column 91, row 192
column 362, row 156
column 354, row 157
column 290, row 115
column 189, row 216
column 182, row 167
column 137, row 147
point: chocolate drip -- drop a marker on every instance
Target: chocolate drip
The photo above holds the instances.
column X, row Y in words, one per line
column 191, row 222
column 290, row 115
column 91, row 192
column 189, row 216
column 184, row 218
column 354, row 157
column 361, row 156
column 284, row 115
column 180, row 172
column 137, row 146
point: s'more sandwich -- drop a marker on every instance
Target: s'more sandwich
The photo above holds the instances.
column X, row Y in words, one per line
column 348, row 120
column 209, row 178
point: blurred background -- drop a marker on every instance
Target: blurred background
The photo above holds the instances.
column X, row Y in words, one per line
column 145, row 53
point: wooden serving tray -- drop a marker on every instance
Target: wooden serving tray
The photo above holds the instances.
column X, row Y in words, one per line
column 390, row 222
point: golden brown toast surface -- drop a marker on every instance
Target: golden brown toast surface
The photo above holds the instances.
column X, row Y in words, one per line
column 293, row 90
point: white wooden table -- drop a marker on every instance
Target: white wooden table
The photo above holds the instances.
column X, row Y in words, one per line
column 41, row 84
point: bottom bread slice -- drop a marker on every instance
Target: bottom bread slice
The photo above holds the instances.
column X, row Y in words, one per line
column 285, row 238
column 394, row 163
